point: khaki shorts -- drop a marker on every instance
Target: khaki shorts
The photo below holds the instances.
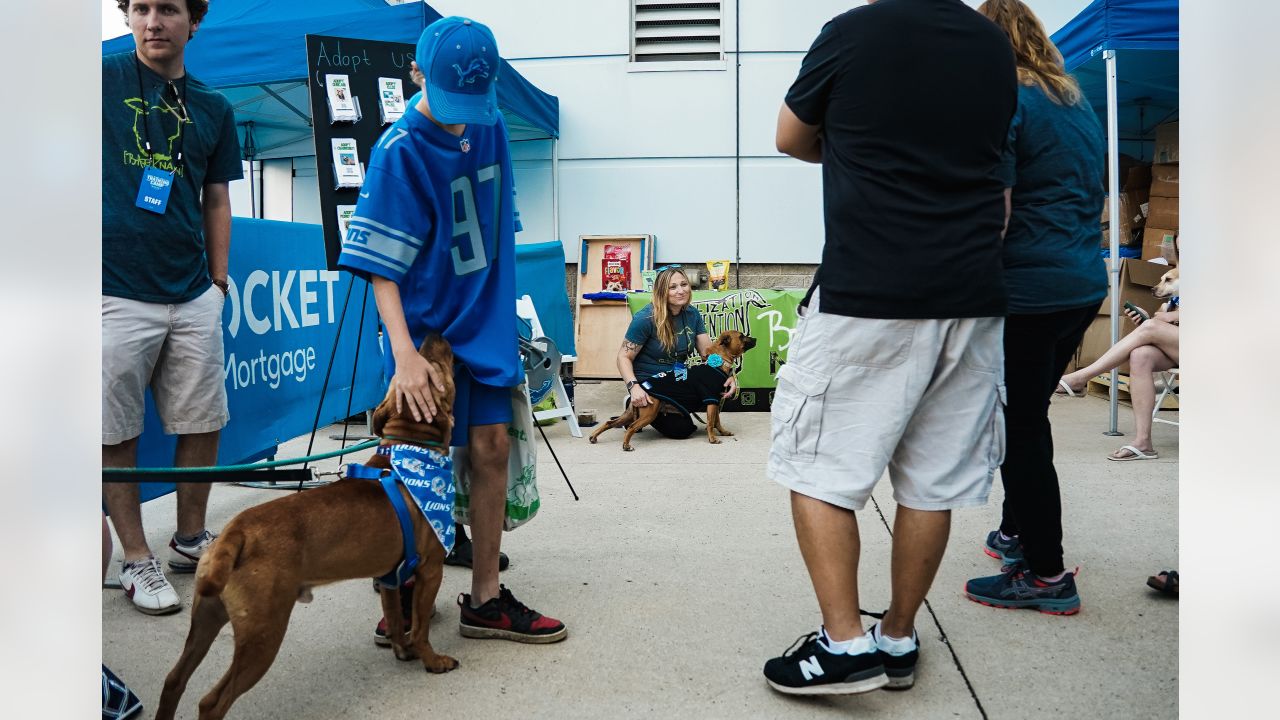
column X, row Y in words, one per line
column 177, row 350
column 924, row 398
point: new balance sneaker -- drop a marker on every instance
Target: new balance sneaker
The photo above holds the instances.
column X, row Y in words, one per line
column 1021, row 588
column 146, row 586
column 184, row 558
column 808, row 668
column 506, row 618
column 1006, row 551
column 460, row 555
column 118, row 701
column 899, row 663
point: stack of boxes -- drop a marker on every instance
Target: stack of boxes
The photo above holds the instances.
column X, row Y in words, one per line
column 1149, row 223
column 1158, row 240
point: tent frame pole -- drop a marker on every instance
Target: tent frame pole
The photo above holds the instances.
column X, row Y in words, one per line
column 1113, row 174
column 555, row 187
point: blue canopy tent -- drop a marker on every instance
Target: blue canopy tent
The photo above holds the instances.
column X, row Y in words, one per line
column 1125, row 55
column 255, row 52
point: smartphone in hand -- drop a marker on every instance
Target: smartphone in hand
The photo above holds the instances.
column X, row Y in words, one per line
column 1142, row 314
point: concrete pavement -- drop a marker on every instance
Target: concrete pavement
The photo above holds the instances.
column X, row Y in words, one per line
column 678, row 576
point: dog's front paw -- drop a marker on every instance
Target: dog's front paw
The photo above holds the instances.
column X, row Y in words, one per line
column 715, row 440
column 439, row 664
column 628, row 448
column 404, row 652
column 592, row 439
column 725, row 433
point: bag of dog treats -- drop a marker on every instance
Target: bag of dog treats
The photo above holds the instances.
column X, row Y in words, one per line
column 719, row 271
column 615, row 273
column 522, row 464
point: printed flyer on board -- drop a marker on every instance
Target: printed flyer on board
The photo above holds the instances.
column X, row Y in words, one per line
column 342, row 105
column 347, row 171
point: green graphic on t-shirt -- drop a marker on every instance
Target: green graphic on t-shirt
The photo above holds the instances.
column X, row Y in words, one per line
column 160, row 159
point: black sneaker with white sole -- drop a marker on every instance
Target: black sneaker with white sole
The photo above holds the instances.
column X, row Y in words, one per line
column 900, row 667
column 807, row 668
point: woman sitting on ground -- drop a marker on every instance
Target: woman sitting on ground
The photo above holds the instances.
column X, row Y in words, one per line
column 661, row 337
column 1150, row 349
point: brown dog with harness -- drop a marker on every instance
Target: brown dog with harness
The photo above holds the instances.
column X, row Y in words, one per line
column 270, row 556
column 730, row 346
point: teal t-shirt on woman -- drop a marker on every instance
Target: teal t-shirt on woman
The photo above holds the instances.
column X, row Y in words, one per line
column 653, row 358
column 1054, row 163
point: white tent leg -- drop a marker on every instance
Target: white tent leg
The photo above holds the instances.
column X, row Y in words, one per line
column 555, row 187
column 1113, row 174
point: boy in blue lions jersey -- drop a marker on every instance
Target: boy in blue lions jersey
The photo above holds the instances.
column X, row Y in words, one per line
column 434, row 232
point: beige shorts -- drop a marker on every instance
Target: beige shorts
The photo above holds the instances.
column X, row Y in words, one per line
column 177, row 350
column 924, row 398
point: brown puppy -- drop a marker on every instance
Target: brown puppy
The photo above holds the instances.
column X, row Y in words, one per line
column 271, row 555
column 730, row 346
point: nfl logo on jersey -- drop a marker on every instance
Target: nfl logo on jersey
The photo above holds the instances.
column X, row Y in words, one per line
column 465, row 144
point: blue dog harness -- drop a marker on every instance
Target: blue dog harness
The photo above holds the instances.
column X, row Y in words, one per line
column 428, row 476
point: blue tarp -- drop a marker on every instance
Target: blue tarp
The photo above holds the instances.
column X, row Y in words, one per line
column 1144, row 34
column 255, row 52
column 540, row 275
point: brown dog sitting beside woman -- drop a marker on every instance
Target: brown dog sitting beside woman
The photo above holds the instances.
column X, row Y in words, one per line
column 662, row 337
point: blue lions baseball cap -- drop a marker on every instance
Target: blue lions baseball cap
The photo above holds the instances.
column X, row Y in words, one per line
column 459, row 58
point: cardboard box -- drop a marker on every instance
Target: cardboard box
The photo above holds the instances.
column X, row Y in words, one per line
column 1167, row 143
column 1131, row 219
column 1096, row 341
column 1163, row 212
column 1137, row 179
column 1164, row 180
column 1153, row 238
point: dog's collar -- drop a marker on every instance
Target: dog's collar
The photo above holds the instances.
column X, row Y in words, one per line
column 725, row 367
column 427, row 443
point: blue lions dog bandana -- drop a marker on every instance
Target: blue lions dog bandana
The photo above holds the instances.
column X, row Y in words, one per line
column 429, row 477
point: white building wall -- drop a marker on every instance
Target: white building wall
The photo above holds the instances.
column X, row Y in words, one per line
column 686, row 155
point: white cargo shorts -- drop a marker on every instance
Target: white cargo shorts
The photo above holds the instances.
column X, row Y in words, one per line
column 923, row 398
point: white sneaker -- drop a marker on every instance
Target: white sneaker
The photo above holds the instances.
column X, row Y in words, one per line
column 146, row 586
column 184, row 558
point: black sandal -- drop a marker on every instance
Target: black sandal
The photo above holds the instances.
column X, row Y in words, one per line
column 1165, row 582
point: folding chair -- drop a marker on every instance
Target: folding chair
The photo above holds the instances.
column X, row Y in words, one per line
column 1170, row 379
column 526, row 311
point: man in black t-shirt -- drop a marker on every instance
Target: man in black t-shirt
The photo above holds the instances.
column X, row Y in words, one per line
column 897, row 362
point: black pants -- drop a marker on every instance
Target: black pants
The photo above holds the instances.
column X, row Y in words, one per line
column 1037, row 349
column 676, row 426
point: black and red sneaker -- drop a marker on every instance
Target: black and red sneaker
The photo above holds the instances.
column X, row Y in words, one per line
column 506, row 618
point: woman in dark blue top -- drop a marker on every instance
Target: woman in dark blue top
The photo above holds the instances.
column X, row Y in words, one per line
column 1056, row 281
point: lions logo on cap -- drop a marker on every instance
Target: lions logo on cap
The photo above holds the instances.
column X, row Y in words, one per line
column 477, row 68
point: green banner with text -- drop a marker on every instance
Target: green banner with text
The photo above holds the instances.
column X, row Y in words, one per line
column 769, row 316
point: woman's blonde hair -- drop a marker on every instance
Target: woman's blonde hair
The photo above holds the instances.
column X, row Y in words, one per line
column 661, row 312
column 1039, row 61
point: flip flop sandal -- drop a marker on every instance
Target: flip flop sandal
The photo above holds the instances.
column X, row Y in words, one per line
column 1066, row 390
column 1165, row 582
column 1134, row 454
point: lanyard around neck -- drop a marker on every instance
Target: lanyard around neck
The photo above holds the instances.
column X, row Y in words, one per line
column 146, row 111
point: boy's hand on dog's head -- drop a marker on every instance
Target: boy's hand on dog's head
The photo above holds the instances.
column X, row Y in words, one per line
column 417, row 385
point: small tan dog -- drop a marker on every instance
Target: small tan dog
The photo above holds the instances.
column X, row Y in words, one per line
column 730, row 346
column 271, row 556
column 1168, row 285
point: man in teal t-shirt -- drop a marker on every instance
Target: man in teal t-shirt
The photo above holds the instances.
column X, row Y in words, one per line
column 169, row 150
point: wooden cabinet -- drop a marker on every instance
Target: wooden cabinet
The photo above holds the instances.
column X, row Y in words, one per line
column 600, row 325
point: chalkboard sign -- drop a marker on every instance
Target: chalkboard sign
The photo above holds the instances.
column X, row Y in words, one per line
column 363, row 62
